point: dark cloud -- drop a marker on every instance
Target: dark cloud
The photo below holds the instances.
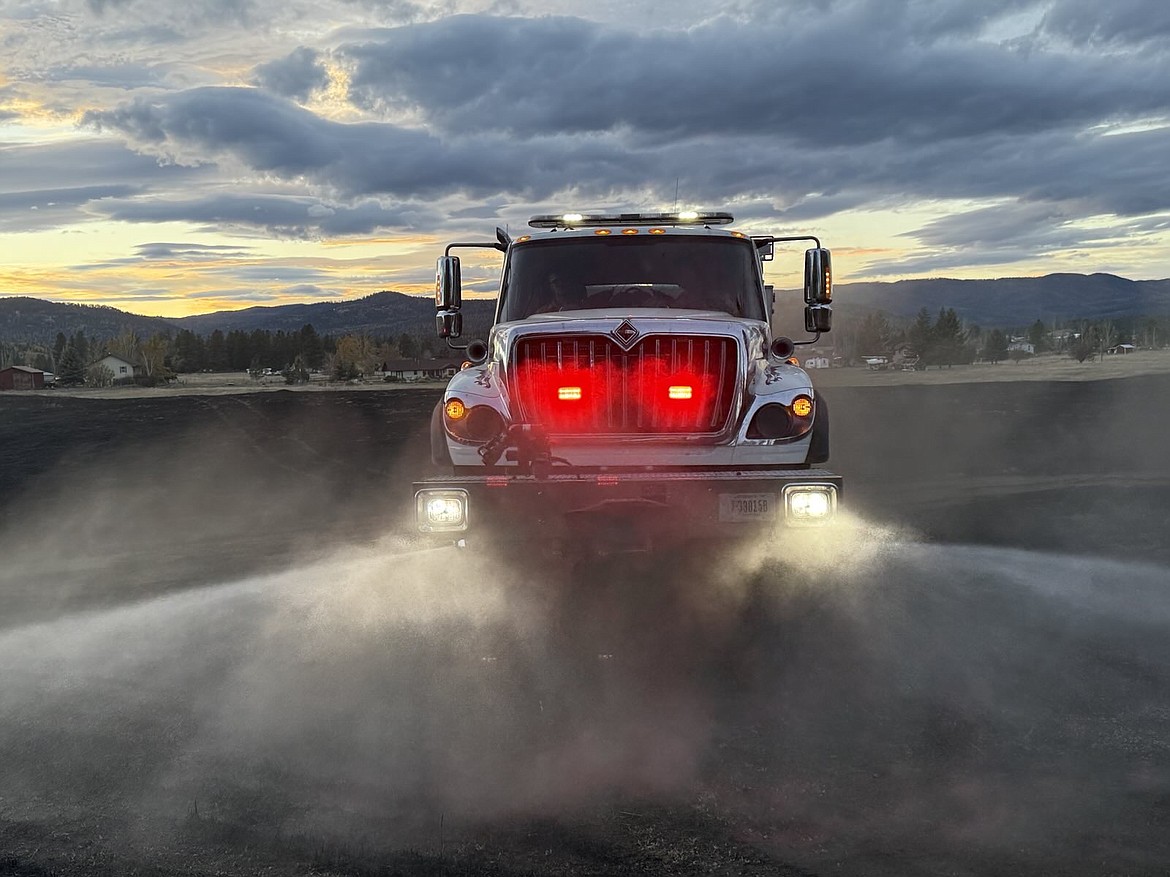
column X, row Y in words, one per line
column 1089, row 174
column 188, row 252
column 81, row 162
column 791, row 113
column 280, row 215
column 295, row 76
column 55, row 185
column 275, row 136
column 43, row 209
column 852, row 78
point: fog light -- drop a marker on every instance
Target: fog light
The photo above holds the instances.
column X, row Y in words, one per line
column 441, row 511
column 810, row 503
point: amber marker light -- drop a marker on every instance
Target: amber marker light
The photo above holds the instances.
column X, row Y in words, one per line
column 629, row 231
column 658, row 231
column 680, row 392
column 455, row 409
column 802, row 406
column 569, row 394
column 602, row 231
column 738, row 234
column 523, row 238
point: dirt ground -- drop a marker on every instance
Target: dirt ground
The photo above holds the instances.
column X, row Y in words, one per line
column 223, row 654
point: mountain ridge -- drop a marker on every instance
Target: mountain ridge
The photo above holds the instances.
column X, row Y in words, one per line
column 1001, row 303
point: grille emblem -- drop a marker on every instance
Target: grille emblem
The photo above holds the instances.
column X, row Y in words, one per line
column 626, row 334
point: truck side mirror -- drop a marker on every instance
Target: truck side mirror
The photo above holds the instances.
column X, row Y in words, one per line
column 449, row 324
column 448, row 292
column 818, row 276
column 818, row 318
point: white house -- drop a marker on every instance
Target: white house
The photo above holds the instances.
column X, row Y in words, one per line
column 119, row 368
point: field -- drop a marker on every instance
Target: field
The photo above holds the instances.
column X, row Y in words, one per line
column 223, row 653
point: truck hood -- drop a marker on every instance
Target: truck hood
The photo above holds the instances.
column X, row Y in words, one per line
column 645, row 321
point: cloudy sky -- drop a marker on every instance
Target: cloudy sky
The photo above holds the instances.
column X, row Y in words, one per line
column 182, row 156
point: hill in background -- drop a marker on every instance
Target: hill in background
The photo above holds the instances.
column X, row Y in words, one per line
column 383, row 314
column 1006, row 303
column 32, row 320
column 1017, row 301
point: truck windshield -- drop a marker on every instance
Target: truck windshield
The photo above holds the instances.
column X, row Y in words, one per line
column 712, row 274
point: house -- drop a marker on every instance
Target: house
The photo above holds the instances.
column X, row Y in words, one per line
column 1122, row 348
column 418, row 369
column 1023, row 345
column 119, row 368
column 21, row 377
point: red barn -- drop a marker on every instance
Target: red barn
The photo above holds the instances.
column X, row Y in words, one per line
column 21, row 377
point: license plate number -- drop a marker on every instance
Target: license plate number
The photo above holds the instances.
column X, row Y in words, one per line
column 747, row 507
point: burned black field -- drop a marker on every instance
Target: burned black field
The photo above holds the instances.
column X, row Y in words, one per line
column 222, row 653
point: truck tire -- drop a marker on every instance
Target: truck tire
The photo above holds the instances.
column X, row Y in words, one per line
column 818, row 447
column 440, row 453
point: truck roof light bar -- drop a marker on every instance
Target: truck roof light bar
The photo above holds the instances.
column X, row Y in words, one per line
column 594, row 220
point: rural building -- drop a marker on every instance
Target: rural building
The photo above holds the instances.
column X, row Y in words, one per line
column 1122, row 348
column 1023, row 345
column 120, row 368
column 419, row 369
column 21, row 377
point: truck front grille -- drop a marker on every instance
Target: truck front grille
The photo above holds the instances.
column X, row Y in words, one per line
column 578, row 384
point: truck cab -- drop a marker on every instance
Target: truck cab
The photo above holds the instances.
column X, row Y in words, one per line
column 631, row 375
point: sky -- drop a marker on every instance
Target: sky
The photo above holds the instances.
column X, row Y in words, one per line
column 172, row 157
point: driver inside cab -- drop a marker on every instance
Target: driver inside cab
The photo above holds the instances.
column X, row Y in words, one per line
column 562, row 296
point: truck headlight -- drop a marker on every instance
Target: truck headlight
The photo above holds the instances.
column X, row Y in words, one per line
column 810, row 503
column 441, row 511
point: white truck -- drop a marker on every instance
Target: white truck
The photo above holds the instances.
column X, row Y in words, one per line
column 630, row 393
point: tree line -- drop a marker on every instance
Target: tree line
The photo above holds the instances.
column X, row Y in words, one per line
column 943, row 339
column 76, row 359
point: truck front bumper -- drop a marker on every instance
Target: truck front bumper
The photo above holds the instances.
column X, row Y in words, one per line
column 626, row 507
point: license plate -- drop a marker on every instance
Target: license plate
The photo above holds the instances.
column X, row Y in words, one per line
column 747, row 507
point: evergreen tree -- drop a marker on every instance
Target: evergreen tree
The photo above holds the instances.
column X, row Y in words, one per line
column 297, row 373
column 408, row 346
column 312, row 348
column 217, row 353
column 59, row 346
column 875, row 335
column 189, row 353
column 1038, row 336
column 81, row 346
column 283, row 348
column 238, row 350
column 995, row 346
column 948, row 339
column 71, row 368
column 921, row 337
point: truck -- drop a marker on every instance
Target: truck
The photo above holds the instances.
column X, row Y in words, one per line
column 630, row 394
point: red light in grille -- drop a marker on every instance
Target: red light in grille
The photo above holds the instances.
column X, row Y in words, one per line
column 592, row 386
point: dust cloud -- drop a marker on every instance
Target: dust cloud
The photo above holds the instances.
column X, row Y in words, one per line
column 856, row 691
